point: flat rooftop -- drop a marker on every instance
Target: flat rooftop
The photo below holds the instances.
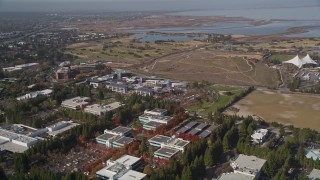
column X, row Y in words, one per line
column 64, row 129
column 314, row 174
column 248, row 163
column 25, row 139
column 124, row 140
column 191, row 124
column 76, row 101
column 12, row 147
column 156, row 117
column 153, row 124
column 160, row 139
column 106, row 136
column 178, row 142
column 8, row 134
column 132, row 175
column 233, row 176
column 157, row 110
column 103, row 108
column 128, row 160
column 166, row 151
column 121, row 129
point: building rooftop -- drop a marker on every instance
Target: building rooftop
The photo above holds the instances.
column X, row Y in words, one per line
column 118, row 85
column 148, row 90
column 201, row 126
column 66, row 128
column 183, row 130
column 106, row 136
column 248, row 164
column 25, row 139
column 191, row 124
column 103, row 108
column 132, row 175
column 259, row 134
column 194, row 131
column 124, row 140
column 314, row 154
column 77, row 101
column 157, row 111
column 156, row 117
column 160, row 139
column 153, row 124
column 233, row 176
column 167, row 151
column 8, row 134
column 314, row 174
column 121, row 130
column 128, row 160
column 178, row 142
column 12, row 147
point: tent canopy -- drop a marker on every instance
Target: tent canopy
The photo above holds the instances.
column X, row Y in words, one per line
column 300, row 62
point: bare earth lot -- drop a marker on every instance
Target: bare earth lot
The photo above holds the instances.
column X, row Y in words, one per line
column 300, row 110
column 222, row 67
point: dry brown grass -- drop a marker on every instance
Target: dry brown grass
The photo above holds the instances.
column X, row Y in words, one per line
column 300, row 110
column 221, row 67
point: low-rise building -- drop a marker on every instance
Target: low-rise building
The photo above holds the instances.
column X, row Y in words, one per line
column 117, row 137
column 145, row 118
column 200, row 129
column 313, row 154
column 259, row 135
column 248, row 165
column 156, row 111
column 158, row 140
column 60, row 127
column 120, row 88
column 144, row 91
column 76, row 103
column 151, row 125
column 15, row 142
column 31, row 95
column 169, row 146
column 122, row 168
column 100, row 110
column 314, row 174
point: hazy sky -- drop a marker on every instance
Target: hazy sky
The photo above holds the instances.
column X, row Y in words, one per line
column 149, row 5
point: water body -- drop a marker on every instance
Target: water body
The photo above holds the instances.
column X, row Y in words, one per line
column 162, row 37
column 243, row 27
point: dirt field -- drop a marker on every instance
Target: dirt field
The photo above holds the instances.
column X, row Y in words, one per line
column 222, row 67
column 125, row 50
column 300, row 110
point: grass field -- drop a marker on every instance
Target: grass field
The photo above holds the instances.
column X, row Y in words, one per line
column 221, row 67
column 125, row 50
column 222, row 100
column 300, row 110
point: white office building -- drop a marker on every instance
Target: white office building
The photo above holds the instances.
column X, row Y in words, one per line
column 76, row 103
column 259, row 136
column 100, row 110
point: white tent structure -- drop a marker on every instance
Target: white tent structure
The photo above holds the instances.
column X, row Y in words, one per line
column 300, row 62
column 308, row 60
column 295, row 61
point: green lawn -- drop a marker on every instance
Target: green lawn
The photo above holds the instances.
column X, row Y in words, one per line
column 222, row 101
column 80, row 61
column 281, row 57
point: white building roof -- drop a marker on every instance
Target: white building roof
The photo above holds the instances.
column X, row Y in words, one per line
column 313, row 154
column 98, row 109
column 128, row 160
column 132, row 175
column 234, row 176
column 249, row 165
column 77, row 101
column 315, row 173
column 259, row 134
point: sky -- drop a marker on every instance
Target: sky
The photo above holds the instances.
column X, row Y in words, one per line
column 142, row 5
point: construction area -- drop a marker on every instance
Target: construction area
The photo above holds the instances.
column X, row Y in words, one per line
column 300, row 110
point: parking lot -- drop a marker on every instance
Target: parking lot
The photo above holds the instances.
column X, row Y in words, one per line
column 74, row 160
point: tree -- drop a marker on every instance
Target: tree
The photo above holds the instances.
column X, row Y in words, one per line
column 208, row 157
column 148, row 170
column 282, row 131
column 100, row 94
column 21, row 164
column 2, row 174
column 186, row 173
